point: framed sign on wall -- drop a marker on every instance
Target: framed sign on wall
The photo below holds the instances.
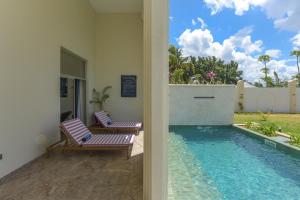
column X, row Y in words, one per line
column 128, row 85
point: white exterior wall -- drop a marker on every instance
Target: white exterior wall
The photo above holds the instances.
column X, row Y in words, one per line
column 298, row 99
column 186, row 110
column 31, row 35
column 274, row 100
column 120, row 52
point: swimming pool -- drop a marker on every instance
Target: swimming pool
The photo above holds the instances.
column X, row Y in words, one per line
column 225, row 163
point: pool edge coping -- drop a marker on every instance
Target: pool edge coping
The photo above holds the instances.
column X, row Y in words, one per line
column 268, row 138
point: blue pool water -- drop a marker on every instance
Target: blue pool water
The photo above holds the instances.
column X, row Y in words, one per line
column 224, row 163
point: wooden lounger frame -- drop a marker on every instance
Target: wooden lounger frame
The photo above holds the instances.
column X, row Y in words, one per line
column 100, row 127
column 66, row 144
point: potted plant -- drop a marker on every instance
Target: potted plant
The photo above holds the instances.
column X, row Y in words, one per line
column 99, row 98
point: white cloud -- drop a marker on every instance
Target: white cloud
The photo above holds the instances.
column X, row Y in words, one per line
column 193, row 42
column 242, row 39
column 283, row 68
column 201, row 42
column 171, row 18
column 200, row 21
column 238, row 47
column 240, row 6
column 274, row 53
column 296, row 41
column 194, row 22
column 284, row 13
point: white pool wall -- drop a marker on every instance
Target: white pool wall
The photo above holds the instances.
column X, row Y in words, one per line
column 213, row 105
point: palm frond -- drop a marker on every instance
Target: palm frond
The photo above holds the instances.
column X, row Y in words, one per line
column 106, row 89
column 104, row 98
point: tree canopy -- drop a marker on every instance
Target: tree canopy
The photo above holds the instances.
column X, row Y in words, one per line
column 212, row 70
column 202, row 70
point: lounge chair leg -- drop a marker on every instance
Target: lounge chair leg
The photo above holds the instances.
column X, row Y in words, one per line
column 51, row 148
column 128, row 155
column 129, row 151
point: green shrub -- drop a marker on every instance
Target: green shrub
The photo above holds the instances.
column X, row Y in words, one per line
column 265, row 127
column 248, row 124
column 268, row 128
column 253, row 125
column 295, row 139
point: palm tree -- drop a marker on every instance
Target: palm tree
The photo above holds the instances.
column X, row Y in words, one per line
column 265, row 59
column 297, row 54
column 176, row 60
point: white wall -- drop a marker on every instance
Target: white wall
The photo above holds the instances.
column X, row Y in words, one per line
column 267, row 100
column 31, row 35
column 120, row 52
column 298, row 99
column 186, row 110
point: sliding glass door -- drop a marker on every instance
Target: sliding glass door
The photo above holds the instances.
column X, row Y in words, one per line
column 72, row 86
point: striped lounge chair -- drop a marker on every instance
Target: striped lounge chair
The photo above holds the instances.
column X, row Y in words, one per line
column 105, row 122
column 74, row 131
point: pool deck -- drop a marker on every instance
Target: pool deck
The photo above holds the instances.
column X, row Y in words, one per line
column 79, row 176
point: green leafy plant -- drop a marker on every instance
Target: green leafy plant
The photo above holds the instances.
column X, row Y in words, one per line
column 264, row 127
column 268, row 128
column 253, row 126
column 99, row 98
column 248, row 124
column 294, row 139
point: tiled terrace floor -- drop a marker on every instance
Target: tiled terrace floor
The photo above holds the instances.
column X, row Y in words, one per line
column 79, row 176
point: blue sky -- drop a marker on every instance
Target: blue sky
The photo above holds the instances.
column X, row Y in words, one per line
column 238, row 30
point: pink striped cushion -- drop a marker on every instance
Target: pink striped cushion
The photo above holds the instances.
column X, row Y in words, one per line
column 125, row 125
column 76, row 130
column 110, row 140
column 102, row 118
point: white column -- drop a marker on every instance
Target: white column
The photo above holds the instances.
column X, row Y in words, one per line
column 241, row 93
column 293, row 98
column 156, row 102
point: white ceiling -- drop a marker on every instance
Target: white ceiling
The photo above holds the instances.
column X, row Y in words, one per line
column 117, row 6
